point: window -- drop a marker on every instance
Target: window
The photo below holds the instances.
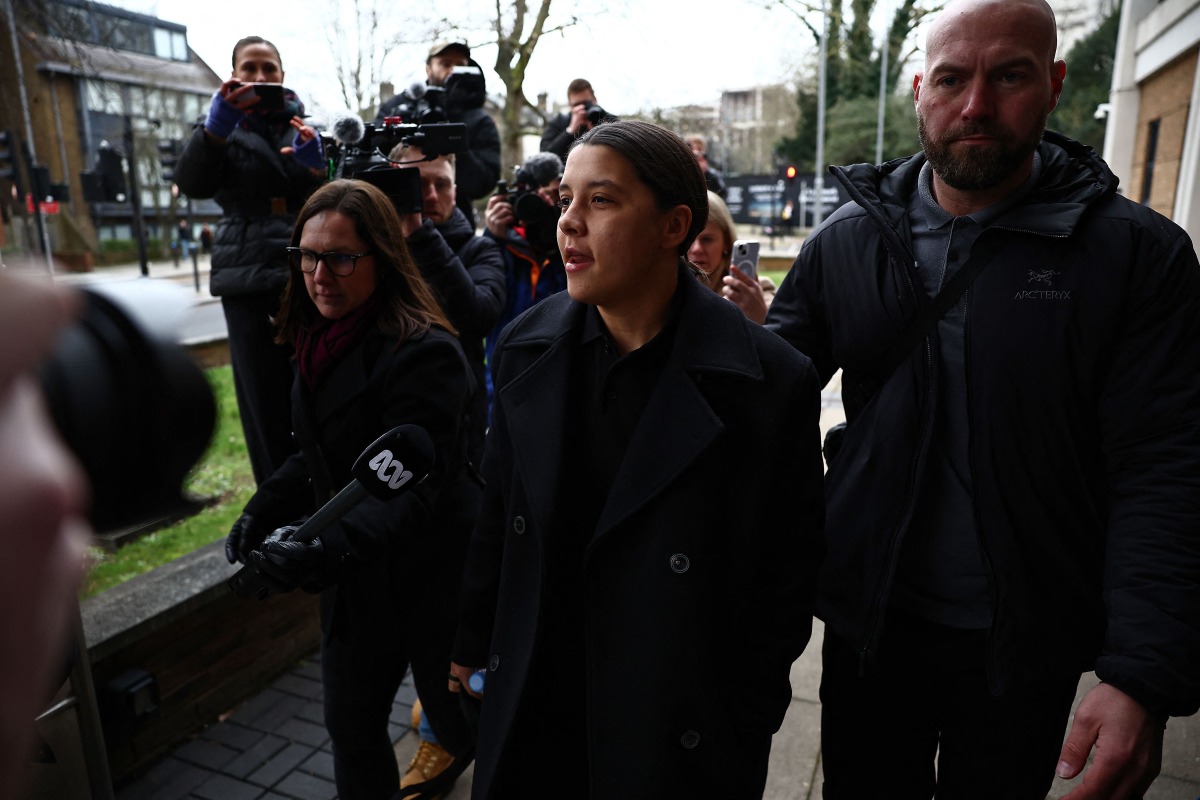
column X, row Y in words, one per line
column 125, row 34
column 104, row 97
column 170, row 44
column 69, row 22
column 1151, row 154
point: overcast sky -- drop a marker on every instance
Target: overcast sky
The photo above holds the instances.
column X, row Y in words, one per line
column 641, row 54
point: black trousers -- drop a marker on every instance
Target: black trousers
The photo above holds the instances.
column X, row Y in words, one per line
column 381, row 620
column 926, row 696
column 262, row 379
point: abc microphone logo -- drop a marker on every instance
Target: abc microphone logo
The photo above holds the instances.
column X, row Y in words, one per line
column 390, row 470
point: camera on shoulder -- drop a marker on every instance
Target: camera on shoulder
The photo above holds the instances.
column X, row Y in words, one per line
column 359, row 150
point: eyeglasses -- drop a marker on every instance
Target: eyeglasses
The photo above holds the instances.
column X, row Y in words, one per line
column 340, row 264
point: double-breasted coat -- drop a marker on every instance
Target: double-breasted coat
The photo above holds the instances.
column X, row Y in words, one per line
column 699, row 577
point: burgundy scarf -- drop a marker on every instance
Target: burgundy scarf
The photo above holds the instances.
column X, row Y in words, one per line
column 324, row 343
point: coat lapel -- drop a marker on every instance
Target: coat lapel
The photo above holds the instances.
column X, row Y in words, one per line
column 678, row 425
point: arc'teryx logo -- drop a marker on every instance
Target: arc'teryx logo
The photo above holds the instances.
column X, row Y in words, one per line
column 1044, row 277
column 390, row 470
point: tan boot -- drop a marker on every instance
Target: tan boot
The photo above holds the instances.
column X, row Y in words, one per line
column 427, row 763
column 415, row 720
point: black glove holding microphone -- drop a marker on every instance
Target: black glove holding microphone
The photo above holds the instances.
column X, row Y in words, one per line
column 287, row 564
column 244, row 537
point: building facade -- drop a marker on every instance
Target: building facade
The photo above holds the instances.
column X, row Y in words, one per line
column 89, row 78
column 1152, row 139
column 752, row 121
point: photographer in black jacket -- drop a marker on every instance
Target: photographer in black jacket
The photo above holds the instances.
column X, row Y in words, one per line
column 585, row 114
column 466, row 271
column 458, row 93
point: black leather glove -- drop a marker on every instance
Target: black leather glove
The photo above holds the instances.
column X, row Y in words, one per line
column 243, row 537
column 287, row 564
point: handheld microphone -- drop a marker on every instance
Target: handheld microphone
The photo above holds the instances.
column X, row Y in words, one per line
column 390, row 466
column 348, row 128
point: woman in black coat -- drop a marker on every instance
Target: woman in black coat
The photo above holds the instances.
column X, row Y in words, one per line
column 256, row 156
column 373, row 351
column 642, row 574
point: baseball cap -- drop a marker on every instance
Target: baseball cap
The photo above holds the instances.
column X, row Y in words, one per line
column 442, row 47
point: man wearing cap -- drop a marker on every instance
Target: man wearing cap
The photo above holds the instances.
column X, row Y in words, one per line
column 479, row 167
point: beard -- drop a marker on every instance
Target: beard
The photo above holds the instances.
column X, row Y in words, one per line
column 978, row 168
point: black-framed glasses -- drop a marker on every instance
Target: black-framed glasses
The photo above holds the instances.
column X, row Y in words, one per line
column 340, row 264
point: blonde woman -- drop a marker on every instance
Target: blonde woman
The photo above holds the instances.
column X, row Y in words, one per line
column 710, row 253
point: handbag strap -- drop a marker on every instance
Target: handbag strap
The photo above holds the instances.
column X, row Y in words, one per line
column 877, row 372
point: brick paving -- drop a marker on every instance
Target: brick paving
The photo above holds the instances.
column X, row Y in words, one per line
column 272, row 747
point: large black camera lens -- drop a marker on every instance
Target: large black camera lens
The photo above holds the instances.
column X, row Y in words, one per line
column 532, row 209
column 136, row 411
column 596, row 114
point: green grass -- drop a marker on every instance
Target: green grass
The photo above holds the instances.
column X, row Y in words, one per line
column 775, row 275
column 224, row 472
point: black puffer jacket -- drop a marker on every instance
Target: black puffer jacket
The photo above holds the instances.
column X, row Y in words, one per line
column 1082, row 356
column 260, row 191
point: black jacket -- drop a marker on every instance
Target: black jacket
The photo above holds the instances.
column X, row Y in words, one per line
column 1082, row 355
column 374, row 388
column 699, row 576
column 260, row 192
column 467, row 275
column 558, row 140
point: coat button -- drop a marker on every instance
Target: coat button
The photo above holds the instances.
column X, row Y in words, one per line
column 494, row 663
column 689, row 740
column 519, row 524
column 680, row 563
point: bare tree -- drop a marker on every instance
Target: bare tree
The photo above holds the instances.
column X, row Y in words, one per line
column 360, row 41
column 518, row 32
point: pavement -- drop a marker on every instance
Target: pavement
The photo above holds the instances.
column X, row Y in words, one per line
column 274, row 746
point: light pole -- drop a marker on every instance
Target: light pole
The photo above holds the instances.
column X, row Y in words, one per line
column 883, row 65
column 819, row 178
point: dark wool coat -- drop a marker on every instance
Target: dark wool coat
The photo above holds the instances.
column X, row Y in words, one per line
column 372, row 390
column 699, row 575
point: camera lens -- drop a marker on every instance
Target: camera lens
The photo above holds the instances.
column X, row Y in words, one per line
column 137, row 412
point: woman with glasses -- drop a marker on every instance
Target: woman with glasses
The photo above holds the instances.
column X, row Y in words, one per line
column 642, row 573
column 255, row 155
column 373, row 350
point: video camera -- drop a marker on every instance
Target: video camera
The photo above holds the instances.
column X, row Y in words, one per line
column 596, row 114
column 360, row 150
column 539, row 218
column 423, row 104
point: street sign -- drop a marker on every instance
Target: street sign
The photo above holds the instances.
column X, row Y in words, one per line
column 48, row 208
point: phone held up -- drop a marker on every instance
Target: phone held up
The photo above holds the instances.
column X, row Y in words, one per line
column 745, row 257
column 270, row 96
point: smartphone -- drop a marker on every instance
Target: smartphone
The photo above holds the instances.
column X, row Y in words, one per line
column 270, row 96
column 745, row 256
